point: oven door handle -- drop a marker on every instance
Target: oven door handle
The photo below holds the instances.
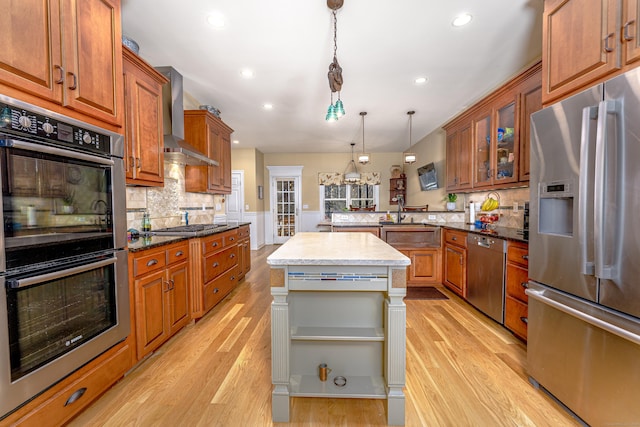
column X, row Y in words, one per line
column 20, row 283
column 16, row 143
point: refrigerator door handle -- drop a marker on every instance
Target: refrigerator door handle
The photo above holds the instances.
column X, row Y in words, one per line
column 588, row 114
column 599, row 319
column 605, row 108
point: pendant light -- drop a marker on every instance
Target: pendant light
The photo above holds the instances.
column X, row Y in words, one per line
column 410, row 157
column 364, row 157
column 335, row 111
column 351, row 173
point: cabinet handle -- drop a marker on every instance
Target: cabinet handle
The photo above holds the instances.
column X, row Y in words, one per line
column 74, row 86
column 232, row 256
column 454, row 238
column 214, row 244
column 608, row 48
column 215, row 264
column 626, row 35
column 152, row 262
column 138, row 163
column 216, row 290
column 232, row 278
column 132, row 161
column 232, row 238
column 525, row 257
column 166, row 287
column 524, row 320
column 525, row 285
column 179, row 253
column 75, row 396
column 61, row 79
column 173, row 284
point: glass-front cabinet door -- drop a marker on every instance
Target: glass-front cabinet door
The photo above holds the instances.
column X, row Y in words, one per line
column 286, row 223
column 506, row 152
column 482, row 149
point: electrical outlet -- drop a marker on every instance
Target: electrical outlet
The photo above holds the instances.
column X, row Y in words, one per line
column 515, row 207
column 432, row 217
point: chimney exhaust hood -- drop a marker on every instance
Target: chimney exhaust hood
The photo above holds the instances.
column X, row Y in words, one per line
column 176, row 149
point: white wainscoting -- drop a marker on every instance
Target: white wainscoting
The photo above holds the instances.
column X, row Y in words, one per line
column 257, row 228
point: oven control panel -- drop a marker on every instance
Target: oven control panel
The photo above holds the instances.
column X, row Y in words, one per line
column 32, row 125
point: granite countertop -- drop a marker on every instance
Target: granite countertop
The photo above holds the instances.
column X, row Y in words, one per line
column 337, row 249
column 151, row 240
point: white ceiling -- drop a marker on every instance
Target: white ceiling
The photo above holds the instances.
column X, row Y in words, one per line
column 382, row 47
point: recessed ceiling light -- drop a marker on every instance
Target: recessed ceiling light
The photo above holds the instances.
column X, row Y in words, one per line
column 216, row 20
column 268, row 106
column 461, row 20
column 247, row 73
column 420, row 80
column 235, row 141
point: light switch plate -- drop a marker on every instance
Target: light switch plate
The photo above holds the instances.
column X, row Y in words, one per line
column 515, row 207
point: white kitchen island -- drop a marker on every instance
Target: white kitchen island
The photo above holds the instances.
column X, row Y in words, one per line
column 338, row 299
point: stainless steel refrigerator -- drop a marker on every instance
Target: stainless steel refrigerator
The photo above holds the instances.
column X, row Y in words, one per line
column 584, row 252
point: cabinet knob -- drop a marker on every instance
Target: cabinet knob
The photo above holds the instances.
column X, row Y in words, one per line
column 232, row 256
column 525, row 257
column 152, row 262
column 524, row 320
column 454, row 238
column 216, row 290
column 214, row 244
column 215, row 264
column 179, row 253
column 232, row 238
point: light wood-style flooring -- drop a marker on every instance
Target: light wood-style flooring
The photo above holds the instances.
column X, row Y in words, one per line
column 463, row 369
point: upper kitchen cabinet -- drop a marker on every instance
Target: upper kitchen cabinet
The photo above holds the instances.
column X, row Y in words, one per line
column 144, row 145
column 488, row 146
column 64, row 55
column 586, row 41
column 458, row 155
column 211, row 136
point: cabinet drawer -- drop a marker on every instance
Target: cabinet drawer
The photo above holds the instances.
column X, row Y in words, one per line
column 455, row 237
column 243, row 232
column 517, row 279
column 216, row 290
column 212, row 243
column 178, row 254
column 515, row 317
column 518, row 253
column 148, row 262
column 230, row 237
column 218, row 263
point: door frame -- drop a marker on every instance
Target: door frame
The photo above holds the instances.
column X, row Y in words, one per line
column 291, row 172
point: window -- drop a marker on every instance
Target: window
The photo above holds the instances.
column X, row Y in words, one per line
column 338, row 198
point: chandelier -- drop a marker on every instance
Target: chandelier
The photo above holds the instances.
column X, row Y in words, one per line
column 335, row 111
column 410, row 157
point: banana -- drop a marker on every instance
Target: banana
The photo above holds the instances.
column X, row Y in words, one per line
column 485, row 205
column 489, row 204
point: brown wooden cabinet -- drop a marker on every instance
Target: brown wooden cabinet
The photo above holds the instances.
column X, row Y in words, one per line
column 212, row 137
column 587, row 41
column 488, row 146
column 455, row 261
column 458, row 156
column 144, row 145
column 214, row 263
column 425, row 268
column 516, row 281
column 65, row 52
column 161, row 293
column 397, row 188
column 244, row 251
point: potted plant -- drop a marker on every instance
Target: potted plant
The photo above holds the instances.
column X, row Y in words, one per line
column 451, row 201
column 67, row 202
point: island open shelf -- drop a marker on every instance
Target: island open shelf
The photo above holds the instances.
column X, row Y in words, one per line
column 338, row 299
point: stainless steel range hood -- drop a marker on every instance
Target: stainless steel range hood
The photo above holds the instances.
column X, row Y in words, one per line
column 176, row 149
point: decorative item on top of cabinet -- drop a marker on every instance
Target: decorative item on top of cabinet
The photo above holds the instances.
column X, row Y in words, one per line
column 214, row 265
column 516, row 282
column 144, row 145
column 398, row 189
column 160, row 278
column 64, row 55
column 584, row 43
column 244, row 251
column 211, row 136
column 455, row 261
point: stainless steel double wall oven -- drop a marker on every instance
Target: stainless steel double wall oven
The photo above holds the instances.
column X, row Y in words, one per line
column 63, row 264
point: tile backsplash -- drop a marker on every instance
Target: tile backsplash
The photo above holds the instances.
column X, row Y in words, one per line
column 167, row 205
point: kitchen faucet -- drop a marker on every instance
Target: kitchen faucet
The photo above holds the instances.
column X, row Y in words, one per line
column 400, row 207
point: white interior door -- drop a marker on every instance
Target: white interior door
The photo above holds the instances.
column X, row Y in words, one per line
column 234, row 202
column 286, row 201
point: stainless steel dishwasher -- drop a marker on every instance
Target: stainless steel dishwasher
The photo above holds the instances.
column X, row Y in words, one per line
column 485, row 274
